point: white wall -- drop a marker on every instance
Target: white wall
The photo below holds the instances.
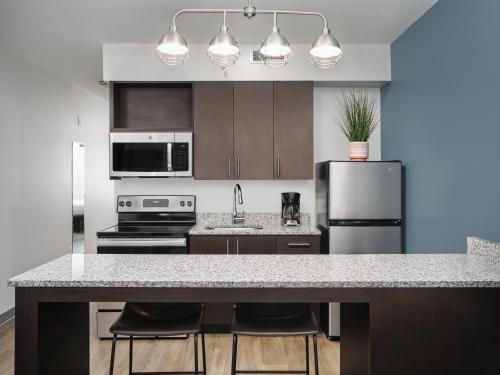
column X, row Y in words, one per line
column 361, row 64
column 38, row 114
column 263, row 196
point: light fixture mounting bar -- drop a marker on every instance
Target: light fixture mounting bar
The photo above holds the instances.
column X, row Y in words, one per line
column 257, row 11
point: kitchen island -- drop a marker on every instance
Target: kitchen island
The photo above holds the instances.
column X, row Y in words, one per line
column 400, row 314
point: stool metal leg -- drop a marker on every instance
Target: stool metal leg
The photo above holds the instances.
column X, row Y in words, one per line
column 316, row 366
column 235, row 352
column 203, row 353
column 196, row 354
column 130, row 354
column 307, row 355
column 112, row 361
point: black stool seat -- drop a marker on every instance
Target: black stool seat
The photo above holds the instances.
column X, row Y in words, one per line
column 274, row 320
column 159, row 319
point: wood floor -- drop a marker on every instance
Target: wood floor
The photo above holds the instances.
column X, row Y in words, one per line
column 177, row 355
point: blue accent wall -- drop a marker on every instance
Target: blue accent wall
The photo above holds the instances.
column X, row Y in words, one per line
column 441, row 116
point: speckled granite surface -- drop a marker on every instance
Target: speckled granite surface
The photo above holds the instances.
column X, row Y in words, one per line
column 270, row 222
column 264, row 271
column 478, row 246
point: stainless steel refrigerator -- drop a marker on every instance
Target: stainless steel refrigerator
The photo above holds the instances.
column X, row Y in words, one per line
column 359, row 211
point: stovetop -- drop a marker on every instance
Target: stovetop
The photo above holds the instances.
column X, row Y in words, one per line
column 145, row 230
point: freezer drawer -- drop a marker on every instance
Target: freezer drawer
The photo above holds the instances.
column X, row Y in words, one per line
column 364, row 190
column 365, row 240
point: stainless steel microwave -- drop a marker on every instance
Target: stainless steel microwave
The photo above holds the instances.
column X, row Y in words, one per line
column 150, row 154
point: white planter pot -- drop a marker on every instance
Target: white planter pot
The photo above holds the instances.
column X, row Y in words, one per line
column 358, row 151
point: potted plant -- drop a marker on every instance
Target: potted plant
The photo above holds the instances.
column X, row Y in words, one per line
column 358, row 119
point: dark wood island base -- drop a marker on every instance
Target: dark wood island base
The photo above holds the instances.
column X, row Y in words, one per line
column 385, row 331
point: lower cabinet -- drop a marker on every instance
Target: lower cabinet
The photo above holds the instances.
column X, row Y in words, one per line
column 218, row 315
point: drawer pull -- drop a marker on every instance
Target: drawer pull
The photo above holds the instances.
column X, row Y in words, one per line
column 299, row 245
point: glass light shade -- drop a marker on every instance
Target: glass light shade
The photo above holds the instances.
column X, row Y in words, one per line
column 223, row 49
column 275, row 49
column 325, row 51
column 172, row 48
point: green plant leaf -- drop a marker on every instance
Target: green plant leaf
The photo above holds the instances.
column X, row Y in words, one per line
column 358, row 116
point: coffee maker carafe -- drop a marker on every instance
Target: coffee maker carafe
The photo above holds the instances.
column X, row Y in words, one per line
column 290, row 209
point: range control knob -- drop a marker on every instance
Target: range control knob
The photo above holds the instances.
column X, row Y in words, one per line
column 190, row 203
column 182, row 203
column 121, row 203
column 129, row 203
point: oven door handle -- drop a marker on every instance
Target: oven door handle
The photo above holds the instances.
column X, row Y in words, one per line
column 169, row 157
column 126, row 242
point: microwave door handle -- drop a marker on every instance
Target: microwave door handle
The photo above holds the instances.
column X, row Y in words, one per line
column 169, row 157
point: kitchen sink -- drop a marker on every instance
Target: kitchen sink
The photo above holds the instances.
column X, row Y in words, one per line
column 235, row 227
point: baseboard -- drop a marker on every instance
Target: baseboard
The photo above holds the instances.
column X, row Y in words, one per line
column 6, row 316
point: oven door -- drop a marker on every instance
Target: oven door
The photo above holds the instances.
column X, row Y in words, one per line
column 142, row 246
column 150, row 155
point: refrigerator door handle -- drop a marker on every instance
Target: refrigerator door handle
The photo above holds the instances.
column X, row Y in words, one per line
column 365, row 223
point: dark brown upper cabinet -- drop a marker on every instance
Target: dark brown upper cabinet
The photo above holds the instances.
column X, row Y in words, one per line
column 213, row 131
column 293, row 130
column 154, row 107
column 253, row 130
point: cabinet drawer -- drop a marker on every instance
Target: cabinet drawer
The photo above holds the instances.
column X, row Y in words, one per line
column 298, row 244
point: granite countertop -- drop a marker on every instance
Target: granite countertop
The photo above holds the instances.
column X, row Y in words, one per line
column 270, row 223
column 264, row 271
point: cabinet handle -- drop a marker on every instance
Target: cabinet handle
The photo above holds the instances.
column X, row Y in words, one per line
column 279, row 165
column 237, row 246
column 227, row 246
column 300, row 245
column 229, row 166
column 238, row 165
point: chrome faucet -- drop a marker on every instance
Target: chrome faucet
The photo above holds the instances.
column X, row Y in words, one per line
column 238, row 199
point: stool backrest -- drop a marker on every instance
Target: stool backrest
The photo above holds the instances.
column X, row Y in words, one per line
column 273, row 310
column 163, row 310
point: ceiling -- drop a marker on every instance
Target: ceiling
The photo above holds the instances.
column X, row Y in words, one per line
column 65, row 36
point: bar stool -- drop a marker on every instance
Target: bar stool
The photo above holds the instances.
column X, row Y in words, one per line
column 274, row 319
column 160, row 319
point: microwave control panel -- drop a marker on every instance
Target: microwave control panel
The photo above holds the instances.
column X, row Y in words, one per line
column 180, row 157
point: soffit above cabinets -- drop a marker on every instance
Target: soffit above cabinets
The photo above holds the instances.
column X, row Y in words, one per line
column 364, row 65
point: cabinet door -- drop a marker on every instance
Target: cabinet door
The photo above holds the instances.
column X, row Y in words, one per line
column 255, row 244
column 293, row 130
column 209, row 245
column 253, row 130
column 213, row 130
column 217, row 315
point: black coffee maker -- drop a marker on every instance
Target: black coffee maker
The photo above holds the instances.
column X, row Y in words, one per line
column 290, row 209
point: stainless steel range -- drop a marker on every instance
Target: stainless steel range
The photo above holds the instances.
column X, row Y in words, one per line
column 147, row 224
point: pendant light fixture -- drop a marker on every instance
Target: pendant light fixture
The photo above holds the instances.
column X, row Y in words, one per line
column 275, row 49
column 173, row 49
column 325, row 51
column 223, row 49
